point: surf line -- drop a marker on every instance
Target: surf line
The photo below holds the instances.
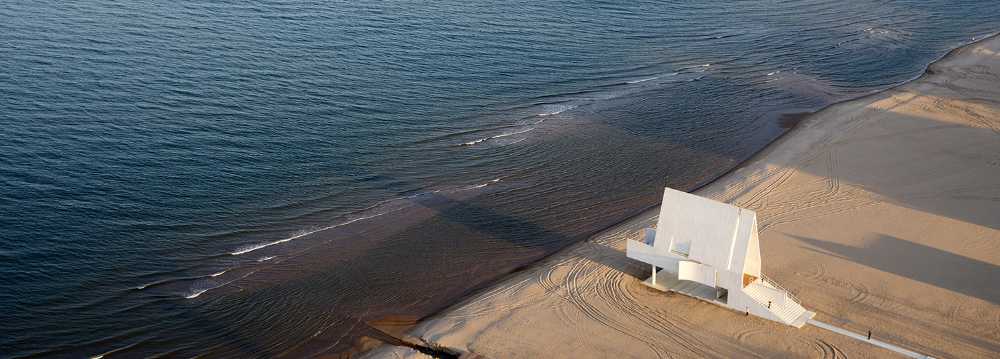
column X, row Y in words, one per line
column 863, row 338
column 248, row 249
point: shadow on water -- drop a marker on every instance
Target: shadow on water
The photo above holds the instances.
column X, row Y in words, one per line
column 445, row 246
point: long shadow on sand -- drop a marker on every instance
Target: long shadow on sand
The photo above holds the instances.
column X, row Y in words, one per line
column 922, row 263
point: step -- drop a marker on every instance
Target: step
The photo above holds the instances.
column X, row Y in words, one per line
column 788, row 311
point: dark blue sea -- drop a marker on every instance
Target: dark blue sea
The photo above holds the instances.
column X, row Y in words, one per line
column 273, row 178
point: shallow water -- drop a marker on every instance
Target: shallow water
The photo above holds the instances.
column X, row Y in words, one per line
column 234, row 180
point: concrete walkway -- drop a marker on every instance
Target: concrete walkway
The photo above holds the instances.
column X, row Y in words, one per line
column 864, row 338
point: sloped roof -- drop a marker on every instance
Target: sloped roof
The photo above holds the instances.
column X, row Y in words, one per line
column 707, row 231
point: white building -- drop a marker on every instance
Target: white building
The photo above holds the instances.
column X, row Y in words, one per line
column 709, row 250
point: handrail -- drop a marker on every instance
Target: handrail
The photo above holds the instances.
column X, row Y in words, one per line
column 638, row 236
column 787, row 292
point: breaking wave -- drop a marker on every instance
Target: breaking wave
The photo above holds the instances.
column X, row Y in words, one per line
column 200, row 287
column 303, row 233
column 195, row 294
column 300, row 234
column 644, row 80
column 172, row 280
column 502, row 135
column 558, row 110
column 485, row 184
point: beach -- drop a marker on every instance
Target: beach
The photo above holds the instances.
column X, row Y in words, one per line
column 880, row 213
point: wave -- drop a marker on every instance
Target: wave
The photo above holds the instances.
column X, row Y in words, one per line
column 196, row 293
column 171, row 280
column 300, row 234
column 696, row 68
column 470, row 143
column 303, row 233
column 656, row 77
column 555, row 104
column 252, row 248
column 495, row 180
column 560, row 109
column 102, row 355
column 643, row 80
column 147, row 285
column 502, row 135
column 513, row 133
column 380, row 204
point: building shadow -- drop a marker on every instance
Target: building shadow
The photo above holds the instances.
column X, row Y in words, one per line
column 918, row 262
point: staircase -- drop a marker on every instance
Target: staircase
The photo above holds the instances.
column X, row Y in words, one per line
column 784, row 305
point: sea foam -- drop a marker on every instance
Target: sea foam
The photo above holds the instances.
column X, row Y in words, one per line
column 300, row 234
column 502, row 135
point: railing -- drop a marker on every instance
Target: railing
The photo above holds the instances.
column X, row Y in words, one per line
column 788, row 293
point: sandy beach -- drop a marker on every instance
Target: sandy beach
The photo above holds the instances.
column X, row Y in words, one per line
column 881, row 213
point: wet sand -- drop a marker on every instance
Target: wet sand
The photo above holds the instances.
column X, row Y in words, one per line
column 880, row 213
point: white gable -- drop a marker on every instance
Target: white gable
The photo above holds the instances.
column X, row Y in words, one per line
column 703, row 244
column 703, row 229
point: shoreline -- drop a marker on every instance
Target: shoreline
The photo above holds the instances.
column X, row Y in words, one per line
column 745, row 184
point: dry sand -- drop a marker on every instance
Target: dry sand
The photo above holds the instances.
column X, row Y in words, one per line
column 881, row 213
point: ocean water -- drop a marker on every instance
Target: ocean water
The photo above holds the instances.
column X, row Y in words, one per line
column 276, row 178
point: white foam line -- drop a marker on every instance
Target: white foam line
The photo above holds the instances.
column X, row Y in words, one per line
column 112, row 351
column 147, row 285
column 300, row 235
column 643, row 80
column 470, row 143
column 265, row 259
column 249, row 249
column 196, row 294
column 513, row 133
column 218, row 274
column 567, row 108
column 495, row 180
column 265, row 245
column 875, row 342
